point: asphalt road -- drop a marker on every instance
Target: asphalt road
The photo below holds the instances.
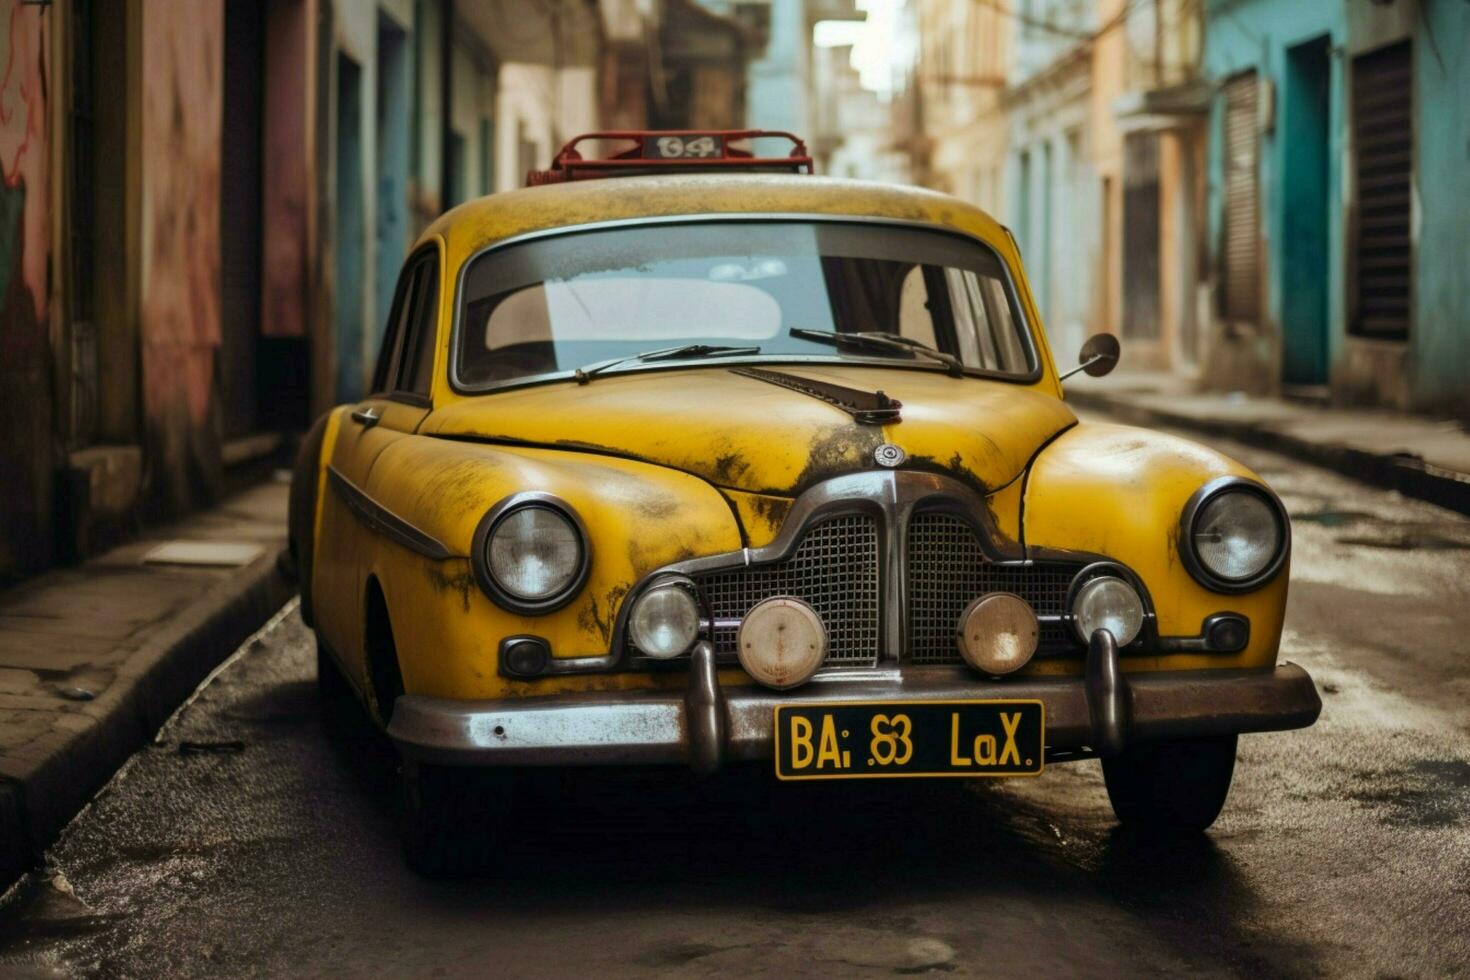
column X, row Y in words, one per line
column 254, row 839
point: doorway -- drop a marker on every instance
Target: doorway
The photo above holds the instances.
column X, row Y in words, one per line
column 1305, row 202
column 1141, row 236
column 239, row 215
column 349, row 238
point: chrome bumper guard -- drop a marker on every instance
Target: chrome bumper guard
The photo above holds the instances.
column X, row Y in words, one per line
column 1098, row 713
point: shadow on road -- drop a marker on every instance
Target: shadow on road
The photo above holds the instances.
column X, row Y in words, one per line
column 649, row 840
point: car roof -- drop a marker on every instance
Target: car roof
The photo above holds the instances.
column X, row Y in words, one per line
column 471, row 226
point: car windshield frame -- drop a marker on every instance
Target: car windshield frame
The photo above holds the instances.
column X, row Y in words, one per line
column 1015, row 297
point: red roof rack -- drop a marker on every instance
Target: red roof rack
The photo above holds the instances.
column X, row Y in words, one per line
column 666, row 150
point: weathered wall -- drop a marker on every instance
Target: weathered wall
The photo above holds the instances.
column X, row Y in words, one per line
column 1441, row 332
column 1428, row 371
column 182, row 51
column 27, row 409
column 285, row 164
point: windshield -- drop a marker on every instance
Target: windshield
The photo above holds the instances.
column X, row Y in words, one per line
column 569, row 301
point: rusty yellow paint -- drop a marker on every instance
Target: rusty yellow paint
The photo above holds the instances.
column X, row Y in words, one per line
column 745, row 434
column 638, row 518
column 1119, row 491
column 1005, row 507
column 761, row 515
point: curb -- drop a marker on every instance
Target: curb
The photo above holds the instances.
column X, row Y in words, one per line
column 1409, row 475
column 65, row 771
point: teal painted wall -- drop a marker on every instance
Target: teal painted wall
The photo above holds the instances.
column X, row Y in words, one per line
column 1256, row 34
column 1441, row 331
column 1246, row 34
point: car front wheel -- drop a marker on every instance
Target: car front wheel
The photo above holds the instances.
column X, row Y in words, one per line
column 1177, row 784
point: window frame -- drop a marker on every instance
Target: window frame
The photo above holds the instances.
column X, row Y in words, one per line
column 1013, row 284
column 388, row 373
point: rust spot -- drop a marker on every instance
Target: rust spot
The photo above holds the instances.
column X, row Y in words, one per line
column 730, row 467
column 772, row 510
column 598, row 617
column 838, row 450
column 954, row 466
column 462, row 583
column 658, row 507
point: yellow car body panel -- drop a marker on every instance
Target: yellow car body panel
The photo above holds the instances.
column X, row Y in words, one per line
column 656, row 475
column 1119, row 491
column 765, row 439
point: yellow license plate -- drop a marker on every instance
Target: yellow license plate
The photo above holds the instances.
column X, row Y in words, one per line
column 887, row 739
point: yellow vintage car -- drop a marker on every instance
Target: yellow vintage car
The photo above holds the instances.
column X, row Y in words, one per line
column 684, row 456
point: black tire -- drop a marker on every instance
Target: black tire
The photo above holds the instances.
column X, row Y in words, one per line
column 1177, row 785
column 451, row 818
column 331, row 687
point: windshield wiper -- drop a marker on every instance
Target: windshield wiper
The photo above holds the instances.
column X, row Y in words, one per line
column 872, row 339
column 586, row 374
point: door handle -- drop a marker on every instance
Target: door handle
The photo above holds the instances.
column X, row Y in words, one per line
column 366, row 417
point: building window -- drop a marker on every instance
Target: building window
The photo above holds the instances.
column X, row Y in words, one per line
column 1242, row 285
column 1383, row 161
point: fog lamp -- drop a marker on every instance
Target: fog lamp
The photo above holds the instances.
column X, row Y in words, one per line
column 998, row 633
column 665, row 620
column 781, row 642
column 1108, row 603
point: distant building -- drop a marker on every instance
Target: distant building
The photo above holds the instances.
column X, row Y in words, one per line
column 964, row 59
column 851, row 130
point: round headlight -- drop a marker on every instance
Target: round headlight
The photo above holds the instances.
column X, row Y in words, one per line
column 534, row 556
column 665, row 621
column 1235, row 535
column 1108, row 603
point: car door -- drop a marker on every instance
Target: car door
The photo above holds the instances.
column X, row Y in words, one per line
column 395, row 409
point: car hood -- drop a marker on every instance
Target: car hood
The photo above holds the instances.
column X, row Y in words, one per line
column 746, row 434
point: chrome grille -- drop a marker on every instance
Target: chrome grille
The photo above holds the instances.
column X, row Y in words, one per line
column 834, row 569
column 948, row 569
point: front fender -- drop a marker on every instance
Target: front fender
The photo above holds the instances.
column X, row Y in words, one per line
column 1119, row 491
column 638, row 517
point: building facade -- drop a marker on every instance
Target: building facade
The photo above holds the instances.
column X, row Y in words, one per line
column 207, row 204
column 1339, row 164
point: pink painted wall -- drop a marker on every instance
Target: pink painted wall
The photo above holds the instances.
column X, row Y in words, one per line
column 182, row 62
column 285, row 203
column 27, row 411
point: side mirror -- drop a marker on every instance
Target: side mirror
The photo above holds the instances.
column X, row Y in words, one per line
column 1098, row 356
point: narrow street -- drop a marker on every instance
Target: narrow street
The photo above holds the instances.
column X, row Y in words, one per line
column 253, row 838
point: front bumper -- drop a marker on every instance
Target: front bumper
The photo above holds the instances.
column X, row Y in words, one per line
column 1098, row 712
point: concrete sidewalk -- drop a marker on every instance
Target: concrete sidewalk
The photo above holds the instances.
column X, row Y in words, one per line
column 94, row 659
column 1428, row 459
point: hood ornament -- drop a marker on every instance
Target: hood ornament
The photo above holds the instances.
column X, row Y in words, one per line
column 889, row 455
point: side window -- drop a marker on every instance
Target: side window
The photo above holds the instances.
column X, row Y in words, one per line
column 416, row 371
column 388, row 354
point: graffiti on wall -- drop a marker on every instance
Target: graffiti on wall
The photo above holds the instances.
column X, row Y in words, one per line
column 24, row 219
column 26, row 406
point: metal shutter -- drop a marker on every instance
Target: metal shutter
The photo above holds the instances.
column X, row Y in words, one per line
column 1242, row 236
column 1383, row 87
